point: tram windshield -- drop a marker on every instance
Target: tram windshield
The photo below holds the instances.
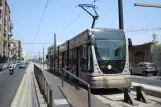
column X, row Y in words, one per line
column 110, row 45
column 110, row 49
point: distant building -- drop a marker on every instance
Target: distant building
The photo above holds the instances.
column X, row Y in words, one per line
column 5, row 31
column 157, row 58
column 18, row 49
column 141, row 53
column 12, row 52
column 146, row 53
column 24, row 56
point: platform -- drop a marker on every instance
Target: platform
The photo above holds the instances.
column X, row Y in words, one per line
column 71, row 95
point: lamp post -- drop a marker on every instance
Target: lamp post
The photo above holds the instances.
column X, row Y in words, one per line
column 120, row 10
column 147, row 5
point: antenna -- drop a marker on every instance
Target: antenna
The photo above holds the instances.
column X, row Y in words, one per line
column 94, row 8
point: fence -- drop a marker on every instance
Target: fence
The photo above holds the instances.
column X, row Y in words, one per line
column 80, row 80
column 44, row 86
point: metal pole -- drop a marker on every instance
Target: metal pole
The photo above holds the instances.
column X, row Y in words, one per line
column 51, row 98
column 54, row 50
column 63, row 78
column 147, row 5
column 43, row 58
column 89, row 96
column 39, row 57
column 120, row 9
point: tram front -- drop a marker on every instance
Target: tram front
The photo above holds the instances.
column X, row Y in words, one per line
column 110, row 59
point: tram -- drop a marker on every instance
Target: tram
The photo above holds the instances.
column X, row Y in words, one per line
column 99, row 56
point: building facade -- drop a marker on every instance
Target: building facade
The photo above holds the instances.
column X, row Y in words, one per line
column 24, row 56
column 141, row 53
column 146, row 53
column 157, row 58
column 5, row 31
column 17, row 53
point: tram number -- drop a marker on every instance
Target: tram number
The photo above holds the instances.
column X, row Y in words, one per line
column 103, row 66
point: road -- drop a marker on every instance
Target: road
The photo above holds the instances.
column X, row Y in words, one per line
column 9, row 85
column 149, row 80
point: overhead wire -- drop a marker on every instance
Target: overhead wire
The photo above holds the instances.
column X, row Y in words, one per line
column 41, row 20
column 76, row 18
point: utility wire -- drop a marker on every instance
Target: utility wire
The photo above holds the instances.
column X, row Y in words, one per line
column 34, row 43
column 41, row 20
column 75, row 19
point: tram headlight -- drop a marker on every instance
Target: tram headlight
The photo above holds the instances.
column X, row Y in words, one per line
column 96, row 78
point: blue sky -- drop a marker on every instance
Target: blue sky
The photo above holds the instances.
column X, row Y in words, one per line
column 26, row 16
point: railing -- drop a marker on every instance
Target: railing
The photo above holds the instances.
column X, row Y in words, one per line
column 80, row 80
column 44, row 86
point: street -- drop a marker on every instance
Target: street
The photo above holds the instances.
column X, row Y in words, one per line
column 151, row 80
column 9, row 85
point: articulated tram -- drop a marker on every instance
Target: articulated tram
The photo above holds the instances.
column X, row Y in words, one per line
column 99, row 56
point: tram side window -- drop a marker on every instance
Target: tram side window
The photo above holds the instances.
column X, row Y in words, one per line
column 90, row 59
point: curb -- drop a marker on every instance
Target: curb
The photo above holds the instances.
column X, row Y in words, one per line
column 148, row 89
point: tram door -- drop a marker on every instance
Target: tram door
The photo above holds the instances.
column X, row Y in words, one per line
column 78, row 62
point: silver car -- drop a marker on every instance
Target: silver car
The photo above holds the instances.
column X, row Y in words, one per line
column 144, row 68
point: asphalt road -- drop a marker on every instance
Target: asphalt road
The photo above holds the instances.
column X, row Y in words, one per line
column 149, row 80
column 9, row 85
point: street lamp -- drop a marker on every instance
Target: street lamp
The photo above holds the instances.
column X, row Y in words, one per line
column 120, row 10
column 147, row 5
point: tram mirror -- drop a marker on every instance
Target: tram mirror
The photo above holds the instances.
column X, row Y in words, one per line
column 92, row 40
column 130, row 44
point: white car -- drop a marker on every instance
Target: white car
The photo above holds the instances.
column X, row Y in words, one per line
column 14, row 65
column 22, row 66
column 144, row 68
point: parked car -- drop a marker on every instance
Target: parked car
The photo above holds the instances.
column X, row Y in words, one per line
column 1, row 67
column 22, row 66
column 6, row 66
column 144, row 68
column 14, row 65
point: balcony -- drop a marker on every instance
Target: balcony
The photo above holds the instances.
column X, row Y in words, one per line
column 11, row 25
column 10, row 34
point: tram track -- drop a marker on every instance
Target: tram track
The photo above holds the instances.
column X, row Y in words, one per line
column 117, row 100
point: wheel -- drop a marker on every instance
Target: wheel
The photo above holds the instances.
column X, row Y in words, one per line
column 154, row 74
column 144, row 73
column 131, row 72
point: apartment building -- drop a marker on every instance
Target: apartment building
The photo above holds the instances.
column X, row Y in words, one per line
column 5, row 31
column 17, row 50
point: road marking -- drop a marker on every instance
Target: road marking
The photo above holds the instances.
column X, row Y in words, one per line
column 62, row 101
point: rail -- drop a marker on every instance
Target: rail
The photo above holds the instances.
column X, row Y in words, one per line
column 85, row 83
column 44, row 86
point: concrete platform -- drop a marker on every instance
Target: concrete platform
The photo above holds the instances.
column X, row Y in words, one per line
column 79, row 97
column 149, row 89
column 69, row 96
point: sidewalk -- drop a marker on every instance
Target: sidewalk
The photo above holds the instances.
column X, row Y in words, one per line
column 69, row 95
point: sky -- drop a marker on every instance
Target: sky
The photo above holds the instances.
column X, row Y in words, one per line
column 26, row 16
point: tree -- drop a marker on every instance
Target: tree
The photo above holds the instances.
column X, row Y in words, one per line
column 155, row 42
column 158, row 46
column 50, row 48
